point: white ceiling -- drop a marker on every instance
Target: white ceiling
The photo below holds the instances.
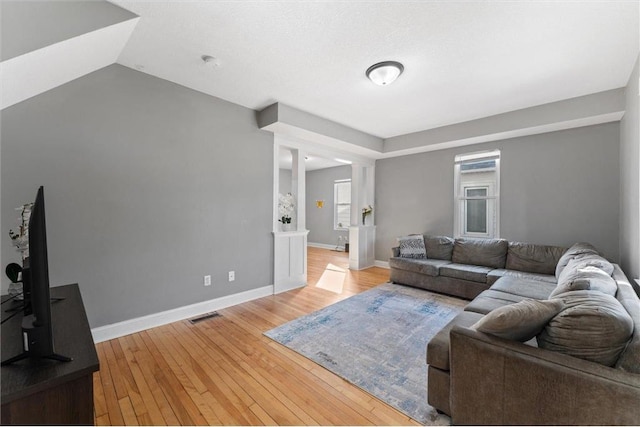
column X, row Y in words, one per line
column 463, row 60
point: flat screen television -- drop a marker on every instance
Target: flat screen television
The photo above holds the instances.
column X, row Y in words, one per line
column 37, row 332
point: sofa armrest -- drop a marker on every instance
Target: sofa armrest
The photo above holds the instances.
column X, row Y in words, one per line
column 395, row 252
column 497, row 381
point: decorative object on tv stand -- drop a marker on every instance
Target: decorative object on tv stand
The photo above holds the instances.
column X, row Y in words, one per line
column 366, row 211
column 20, row 239
column 286, row 206
column 14, row 273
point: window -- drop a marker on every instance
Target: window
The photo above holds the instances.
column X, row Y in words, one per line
column 477, row 195
column 342, row 204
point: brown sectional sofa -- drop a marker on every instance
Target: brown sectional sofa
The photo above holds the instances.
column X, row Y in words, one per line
column 479, row 378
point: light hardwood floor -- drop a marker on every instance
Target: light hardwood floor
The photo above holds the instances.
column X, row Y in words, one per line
column 224, row 371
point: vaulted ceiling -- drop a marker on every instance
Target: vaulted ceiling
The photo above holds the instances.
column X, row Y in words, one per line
column 463, row 60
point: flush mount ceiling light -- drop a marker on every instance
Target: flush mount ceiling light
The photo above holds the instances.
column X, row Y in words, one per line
column 384, row 73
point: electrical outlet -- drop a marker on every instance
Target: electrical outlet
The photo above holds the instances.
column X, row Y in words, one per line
column 207, row 280
column 232, row 276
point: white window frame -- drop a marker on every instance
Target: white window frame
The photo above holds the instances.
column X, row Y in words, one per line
column 461, row 186
column 336, row 204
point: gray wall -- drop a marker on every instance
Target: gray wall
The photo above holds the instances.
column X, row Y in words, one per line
column 149, row 186
column 629, row 181
column 320, row 187
column 556, row 188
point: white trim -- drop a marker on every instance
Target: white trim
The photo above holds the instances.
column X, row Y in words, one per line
column 126, row 327
column 382, row 264
column 515, row 133
column 324, row 246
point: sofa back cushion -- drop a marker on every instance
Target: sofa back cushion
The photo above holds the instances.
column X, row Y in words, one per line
column 439, row 247
column 585, row 277
column 533, row 258
column 629, row 360
column 592, row 326
column 575, row 250
column 486, row 252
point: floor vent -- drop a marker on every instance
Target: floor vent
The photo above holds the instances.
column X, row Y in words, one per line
column 203, row 317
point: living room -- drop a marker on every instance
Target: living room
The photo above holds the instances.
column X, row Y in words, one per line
column 152, row 184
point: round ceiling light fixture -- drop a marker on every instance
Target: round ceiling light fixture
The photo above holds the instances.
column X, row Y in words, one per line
column 384, row 73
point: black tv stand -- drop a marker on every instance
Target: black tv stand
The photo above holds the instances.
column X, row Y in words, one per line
column 36, row 391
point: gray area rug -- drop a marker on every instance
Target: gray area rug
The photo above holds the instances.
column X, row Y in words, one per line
column 377, row 340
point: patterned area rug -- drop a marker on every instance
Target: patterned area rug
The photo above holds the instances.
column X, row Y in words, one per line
column 377, row 340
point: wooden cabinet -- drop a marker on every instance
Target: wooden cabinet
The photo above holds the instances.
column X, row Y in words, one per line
column 43, row 391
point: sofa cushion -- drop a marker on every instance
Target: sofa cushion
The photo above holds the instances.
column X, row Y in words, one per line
column 585, row 278
column 496, row 274
column 535, row 289
column 486, row 252
column 520, row 321
column 473, row 273
column 585, row 260
column 573, row 251
column 532, row 258
column 592, row 326
column 489, row 300
column 430, row 267
column 439, row 247
column 438, row 347
column 412, row 246
column 629, row 360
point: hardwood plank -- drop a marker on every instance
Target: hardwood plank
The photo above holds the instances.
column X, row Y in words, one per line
column 99, row 404
column 151, row 371
column 176, row 382
column 145, row 405
column 128, row 413
column 103, row 420
column 111, row 401
column 224, row 371
column 262, row 415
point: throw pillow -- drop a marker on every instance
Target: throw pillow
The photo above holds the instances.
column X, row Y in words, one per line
column 592, row 326
column 412, row 246
column 520, row 321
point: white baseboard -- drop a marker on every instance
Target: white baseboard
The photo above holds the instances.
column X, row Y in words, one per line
column 115, row 330
column 382, row 264
column 324, row 246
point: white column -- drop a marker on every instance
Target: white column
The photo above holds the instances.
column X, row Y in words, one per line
column 290, row 247
column 356, row 194
column 298, row 187
column 362, row 237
